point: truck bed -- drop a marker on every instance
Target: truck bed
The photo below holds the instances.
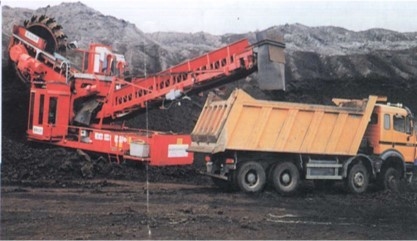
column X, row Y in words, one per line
column 244, row 123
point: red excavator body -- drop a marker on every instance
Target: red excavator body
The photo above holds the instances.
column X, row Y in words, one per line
column 72, row 103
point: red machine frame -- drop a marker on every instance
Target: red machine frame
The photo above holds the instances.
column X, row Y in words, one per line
column 104, row 93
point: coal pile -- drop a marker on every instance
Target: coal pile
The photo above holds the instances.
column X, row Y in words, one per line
column 36, row 164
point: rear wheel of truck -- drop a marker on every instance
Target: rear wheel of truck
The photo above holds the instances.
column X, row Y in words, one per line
column 357, row 180
column 286, row 178
column 251, row 177
column 391, row 179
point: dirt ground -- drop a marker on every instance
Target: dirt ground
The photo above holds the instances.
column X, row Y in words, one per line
column 117, row 209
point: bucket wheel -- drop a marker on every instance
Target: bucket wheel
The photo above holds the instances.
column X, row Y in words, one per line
column 46, row 28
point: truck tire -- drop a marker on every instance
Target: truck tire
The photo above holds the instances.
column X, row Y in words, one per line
column 357, row 180
column 286, row 178
column 251, row 177
column 391, row 179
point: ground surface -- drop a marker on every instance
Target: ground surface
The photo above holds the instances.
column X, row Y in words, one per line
column 117, row 209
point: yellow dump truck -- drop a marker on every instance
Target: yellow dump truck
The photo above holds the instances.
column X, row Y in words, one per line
column 252, row 142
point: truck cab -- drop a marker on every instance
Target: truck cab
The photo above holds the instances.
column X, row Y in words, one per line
column 391, row 138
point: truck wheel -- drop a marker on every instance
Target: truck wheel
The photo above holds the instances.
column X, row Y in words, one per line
column 286, row 178
column 251, row 177
column 391, row 179
column 358, row 179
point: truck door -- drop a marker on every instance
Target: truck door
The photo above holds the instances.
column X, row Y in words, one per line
column 403, row 137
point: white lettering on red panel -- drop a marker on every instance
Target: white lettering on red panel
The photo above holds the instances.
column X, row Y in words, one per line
column 120, row 139
column 38, row 130
column 177, row 150
column 31, row 36
column 98, row 136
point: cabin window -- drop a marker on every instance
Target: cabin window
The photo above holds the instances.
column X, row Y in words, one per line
column 399, row 123
column 52, row 110
column 41, row 103
column 387, row 124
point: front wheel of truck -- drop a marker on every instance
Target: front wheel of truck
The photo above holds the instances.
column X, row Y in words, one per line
column 357, row 180
column 251, row 177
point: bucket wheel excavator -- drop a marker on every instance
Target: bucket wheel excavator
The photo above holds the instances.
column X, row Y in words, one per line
column 73, row 106
column 52, row 39
column 49, row 30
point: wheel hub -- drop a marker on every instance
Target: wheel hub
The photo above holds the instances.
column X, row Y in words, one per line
column 359, row 179
column 251, row 178
column 392, row 182
column 285, row 178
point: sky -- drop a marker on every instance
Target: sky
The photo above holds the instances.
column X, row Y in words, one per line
column 239, row 16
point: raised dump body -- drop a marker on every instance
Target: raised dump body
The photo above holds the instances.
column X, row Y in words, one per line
column 244, row 123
